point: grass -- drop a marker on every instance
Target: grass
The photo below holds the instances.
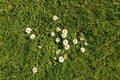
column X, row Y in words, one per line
column 97, row 20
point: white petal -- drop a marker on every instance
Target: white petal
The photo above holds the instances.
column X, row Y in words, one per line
column 28, row 30
column 52, row 34
column 58, row 51
column 61, row 59
column 34, row 70
column 64, row 31
column 39, row 47
column 67, row 47
column 32, row 36
column 65, row 42
column 55, row 18
column 75, row 41
column 58, row 29
column 64, row 35
column 57, row 39
column 82, row 49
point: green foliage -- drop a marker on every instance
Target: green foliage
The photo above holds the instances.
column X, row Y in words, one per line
column 97, row 20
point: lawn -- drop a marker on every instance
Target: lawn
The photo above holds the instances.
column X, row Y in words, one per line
column 94, row 22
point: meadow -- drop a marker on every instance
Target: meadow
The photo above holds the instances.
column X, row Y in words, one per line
column 93, row 55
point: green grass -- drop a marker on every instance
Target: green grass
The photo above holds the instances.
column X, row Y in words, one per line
column 98, row 20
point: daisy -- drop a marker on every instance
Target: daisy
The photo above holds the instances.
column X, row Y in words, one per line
column 39, row 47
column 34, row 70
column 58, row 29
column 82, row 49
column 28, row 30
column 61, row 59
column 32, row 36
column 65, row 42
column 55, row 18
column 52, row 34
column 82, row 38
column 64, row 31
column 67, row 47
column 57, row 40
column 58, row 51
column 75, row 41
column 64, row 35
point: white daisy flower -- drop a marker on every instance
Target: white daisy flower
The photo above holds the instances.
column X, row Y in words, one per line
column 58, row 29
column 85, row 43
column 82, row 38
column 58, row 51
column 64, row 31
column 34, row 70
column 32, row 36
column 61, row 59
column 55, row 18
column 28, row 30
column 75, row 41
column 39, row 47
column 65, row 42
column 64, row 35
column 67, row 47
column 82, row 49
column 57, row 40
column 52, row 34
